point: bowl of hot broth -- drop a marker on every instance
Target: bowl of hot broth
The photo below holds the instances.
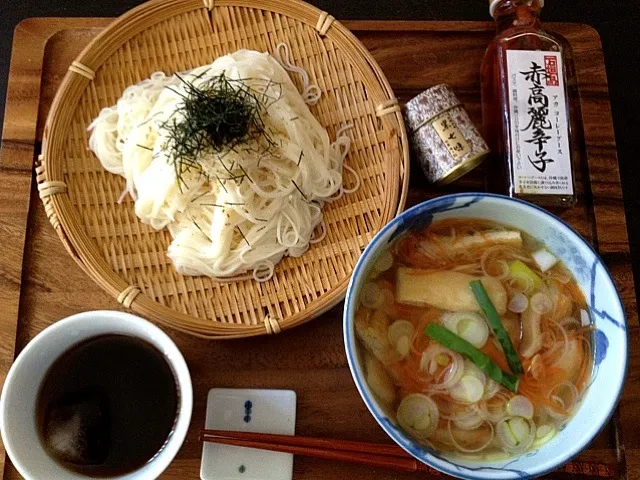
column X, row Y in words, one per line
column 485, row 336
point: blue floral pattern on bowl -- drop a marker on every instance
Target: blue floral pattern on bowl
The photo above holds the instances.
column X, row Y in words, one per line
column 609, row 339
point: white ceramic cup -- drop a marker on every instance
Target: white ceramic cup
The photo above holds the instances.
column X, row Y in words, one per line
column 18, row 402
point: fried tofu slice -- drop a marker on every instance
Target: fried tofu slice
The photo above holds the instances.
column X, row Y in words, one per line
column 486, row 239
column 379, row 379
column 371, row 328
column 447, row 290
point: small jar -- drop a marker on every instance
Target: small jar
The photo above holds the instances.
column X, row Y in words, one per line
column 442, row 136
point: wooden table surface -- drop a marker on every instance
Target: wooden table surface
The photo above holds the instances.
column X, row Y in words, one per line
column 40, row 283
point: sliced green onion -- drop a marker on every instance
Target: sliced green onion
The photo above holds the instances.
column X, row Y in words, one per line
column 459, row 345
column 541, row 303
column 515, row 434
column 403, row 346
column 384, row 261
column 371, row 295
column 398, row 334
column 482, row 297
column 518, row 303
column 469, row 389
column 442, row 360
column 519, row 270
column 471, row 369
column 399, row 329
column 544, row 430
column 519, row 428
column 418, row 414
column 520, row 406
column 544, row 433
column 468, row 325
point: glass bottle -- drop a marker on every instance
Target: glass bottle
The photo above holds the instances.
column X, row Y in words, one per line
column 526, row 109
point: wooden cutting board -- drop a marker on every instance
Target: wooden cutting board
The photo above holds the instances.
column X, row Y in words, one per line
column 40, row 283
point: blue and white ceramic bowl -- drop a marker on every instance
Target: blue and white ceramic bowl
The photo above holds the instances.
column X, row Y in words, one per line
column 606, row 310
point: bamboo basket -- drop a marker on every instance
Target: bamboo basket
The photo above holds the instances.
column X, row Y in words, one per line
column 128, row 258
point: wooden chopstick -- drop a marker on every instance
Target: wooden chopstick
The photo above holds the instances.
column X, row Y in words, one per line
column 370, row 459
column 325, row 443
column 371, row 454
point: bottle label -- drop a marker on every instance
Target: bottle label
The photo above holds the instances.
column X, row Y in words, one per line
column 541, row 159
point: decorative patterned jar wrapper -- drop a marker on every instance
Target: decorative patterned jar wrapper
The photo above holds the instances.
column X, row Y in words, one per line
column 442, row 136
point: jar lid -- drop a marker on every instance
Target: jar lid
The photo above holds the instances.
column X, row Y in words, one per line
column 494, row 3
column 424, row 107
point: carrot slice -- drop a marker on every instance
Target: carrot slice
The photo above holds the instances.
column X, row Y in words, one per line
column 494, row 353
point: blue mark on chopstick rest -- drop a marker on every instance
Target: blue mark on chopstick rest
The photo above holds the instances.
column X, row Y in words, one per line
column 247, row 411
column 242, row 469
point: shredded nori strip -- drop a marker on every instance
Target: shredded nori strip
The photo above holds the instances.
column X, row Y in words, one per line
column 215, row 117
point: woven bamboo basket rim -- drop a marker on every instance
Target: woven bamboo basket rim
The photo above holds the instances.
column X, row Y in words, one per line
column 65, row 217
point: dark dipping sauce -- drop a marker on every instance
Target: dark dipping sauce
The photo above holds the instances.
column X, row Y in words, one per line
column 107, row 406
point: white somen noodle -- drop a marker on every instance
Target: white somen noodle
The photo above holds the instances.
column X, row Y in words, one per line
column 240, row 212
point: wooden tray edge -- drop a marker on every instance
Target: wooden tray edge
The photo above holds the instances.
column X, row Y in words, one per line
column 27, row 33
